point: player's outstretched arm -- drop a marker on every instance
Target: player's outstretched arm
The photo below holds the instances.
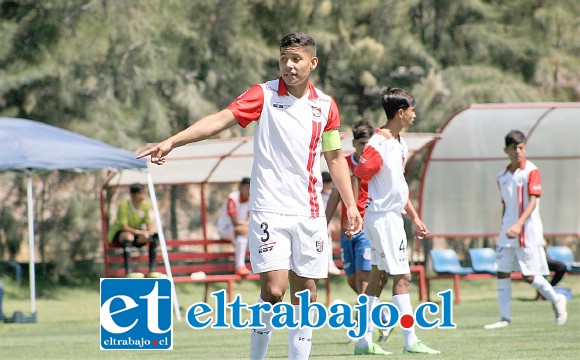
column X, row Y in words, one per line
column 200, row 130
column 338, row 169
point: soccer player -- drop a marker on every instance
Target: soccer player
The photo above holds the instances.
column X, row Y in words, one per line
column 232, row 224
column 382, row 164
column 521, row 239
column 288, row 239
column 356, row 251
column 133, row 227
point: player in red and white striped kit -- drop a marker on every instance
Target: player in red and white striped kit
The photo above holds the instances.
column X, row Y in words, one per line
column 382, row 164
column 520, row 246
column 294, row 123
column 232, row 224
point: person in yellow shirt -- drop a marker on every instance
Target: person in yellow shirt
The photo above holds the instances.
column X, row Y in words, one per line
column 133, row 227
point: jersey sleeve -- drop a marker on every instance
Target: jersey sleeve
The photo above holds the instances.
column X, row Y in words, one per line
column 369, row 164
column 499, row 188
column 333, row 122
column 231, row 207
column 535, row 183
column 248, row 106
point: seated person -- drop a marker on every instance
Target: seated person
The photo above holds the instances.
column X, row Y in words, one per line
column 133, row 227
column 232, row 223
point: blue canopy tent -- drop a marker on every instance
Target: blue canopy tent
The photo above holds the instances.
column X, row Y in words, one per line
column 32, row 146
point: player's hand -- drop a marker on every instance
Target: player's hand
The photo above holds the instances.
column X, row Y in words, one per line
column 421, row 230
column 355, row 222
column 241, row 229
column 514, row 231
column 157, row 152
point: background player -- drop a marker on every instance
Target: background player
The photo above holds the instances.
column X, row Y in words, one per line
column 232, row 224
column 521, row 240
column 382, row 164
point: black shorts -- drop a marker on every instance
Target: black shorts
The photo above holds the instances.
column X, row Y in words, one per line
column 116, row 240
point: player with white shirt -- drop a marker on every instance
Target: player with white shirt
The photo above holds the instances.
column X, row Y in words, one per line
column 232, row 224
column 520, row 247
column 294, row 123
column 382, row 164
column 356, row 250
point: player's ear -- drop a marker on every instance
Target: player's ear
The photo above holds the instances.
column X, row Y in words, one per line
column 313, row 63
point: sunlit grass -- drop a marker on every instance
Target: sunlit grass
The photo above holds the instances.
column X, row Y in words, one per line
column 68, row 328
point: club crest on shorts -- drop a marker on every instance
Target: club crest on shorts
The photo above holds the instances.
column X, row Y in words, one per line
column 319, row 245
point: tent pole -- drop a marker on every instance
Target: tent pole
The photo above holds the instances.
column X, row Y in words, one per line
column 203, row 213
column 31, row 264
column 153, row 198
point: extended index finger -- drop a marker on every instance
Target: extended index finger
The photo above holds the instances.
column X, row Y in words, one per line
column 147, row 152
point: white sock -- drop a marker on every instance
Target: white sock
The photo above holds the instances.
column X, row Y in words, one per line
column 241, row 246
column 330, row 252
column 544, row 288
column 403, row 302
column 504, row 298
column 260, row 338
column 300, row 339
column 367, row 339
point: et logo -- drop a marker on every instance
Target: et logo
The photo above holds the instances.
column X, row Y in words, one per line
column 136, row 314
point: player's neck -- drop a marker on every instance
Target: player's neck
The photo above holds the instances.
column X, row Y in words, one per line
column 136, row 203
column 514, row 166
column 299, row 90
column 392, row 128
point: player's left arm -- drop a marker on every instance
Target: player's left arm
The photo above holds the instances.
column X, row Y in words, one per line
column 516, row 229
column 339, row 172
column 534, row 192
column 421, row 230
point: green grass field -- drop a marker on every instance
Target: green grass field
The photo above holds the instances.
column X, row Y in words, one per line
column 68, row 328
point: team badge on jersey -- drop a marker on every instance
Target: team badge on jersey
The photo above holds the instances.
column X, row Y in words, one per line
column 316, row 112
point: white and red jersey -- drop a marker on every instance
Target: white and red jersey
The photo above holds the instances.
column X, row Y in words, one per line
column 236, row 207
column 362, row 193
column 382, row 164
column 286, row 176
column 515, row 190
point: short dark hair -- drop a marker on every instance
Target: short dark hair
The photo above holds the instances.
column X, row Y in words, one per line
column 245, row 180
column 326, row 178
column 299, row 39
column 515, row 137
column 394, row 99
column 136, row 188
column 362, row 129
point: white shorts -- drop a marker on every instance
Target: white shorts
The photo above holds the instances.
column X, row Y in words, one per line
column 527, row 260
column 289, row 242
column 386, row 231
